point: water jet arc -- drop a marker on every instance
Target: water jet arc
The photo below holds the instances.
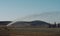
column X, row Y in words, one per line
column 48, row 17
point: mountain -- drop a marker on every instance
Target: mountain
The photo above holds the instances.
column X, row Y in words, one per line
column 39, row 23
column 36, row 23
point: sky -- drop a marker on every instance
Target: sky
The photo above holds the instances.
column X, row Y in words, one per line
column 12, row 9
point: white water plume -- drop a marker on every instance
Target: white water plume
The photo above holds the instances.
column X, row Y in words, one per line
column 48, row 17
column 23, row 18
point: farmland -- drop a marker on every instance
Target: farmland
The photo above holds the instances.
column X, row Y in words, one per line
column 30, row 32
column 35, row 32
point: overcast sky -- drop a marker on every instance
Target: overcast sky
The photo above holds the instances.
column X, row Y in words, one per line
column 11, row 9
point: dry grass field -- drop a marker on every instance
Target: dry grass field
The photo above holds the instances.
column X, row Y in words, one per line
column 34, row 32
column 30, row 32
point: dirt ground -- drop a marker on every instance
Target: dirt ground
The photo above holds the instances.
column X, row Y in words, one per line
column 36, row 32
column 30, row 32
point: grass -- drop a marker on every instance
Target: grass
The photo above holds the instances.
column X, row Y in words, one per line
column 30, row 32
column 35, row 31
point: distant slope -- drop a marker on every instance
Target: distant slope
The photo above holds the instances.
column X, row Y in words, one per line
column 35, row 23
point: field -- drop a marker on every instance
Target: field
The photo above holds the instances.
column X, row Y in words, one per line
column 34, row 31
column 30, row 32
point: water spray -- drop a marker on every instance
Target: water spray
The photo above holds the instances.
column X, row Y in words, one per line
column 23, row 18
column 43, row 16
